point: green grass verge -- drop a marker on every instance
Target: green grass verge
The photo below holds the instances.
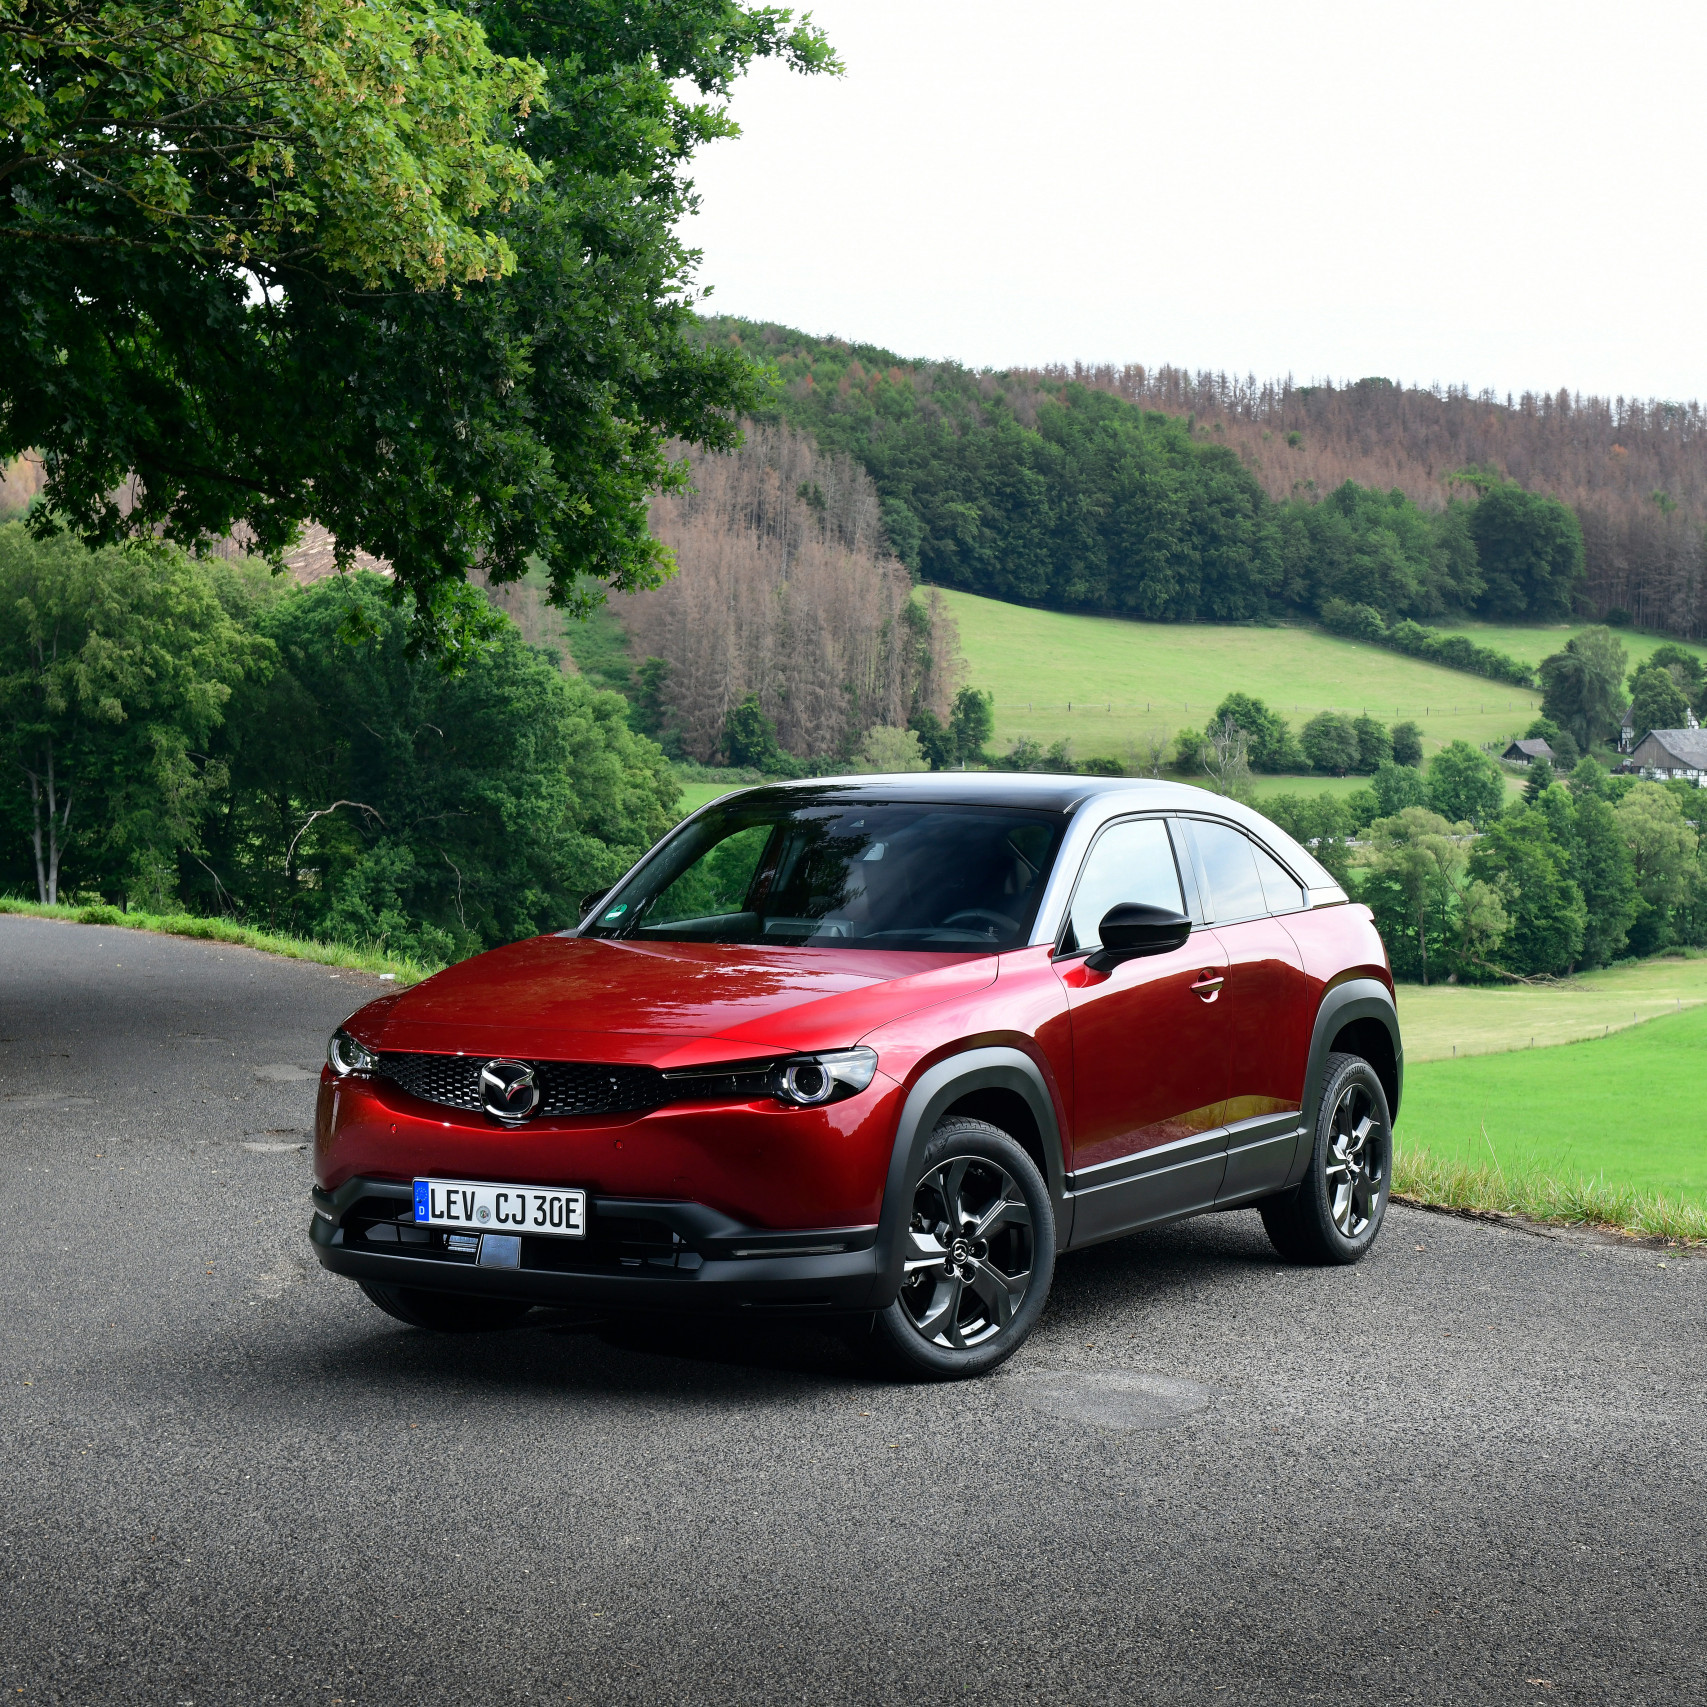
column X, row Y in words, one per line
column 223, row 930
column 1573, row 1202
column 1606, row 1131
column 1126, row 678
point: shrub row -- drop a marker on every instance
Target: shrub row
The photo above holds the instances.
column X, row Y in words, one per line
column 1455, row 651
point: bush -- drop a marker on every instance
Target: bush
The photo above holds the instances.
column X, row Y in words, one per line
column 1330, row 743
column 1374, row 744
column 1355, row 622
column 887, row 750
column 1190, row 745
column 749, row 738
column 1456, row 651
column 1465, row 785
column 936, row 743
column 971, row 724
column 1024, row 755
column 1398, row 786
column 1407, row 744
column 1103, row 767
column 1268, row 741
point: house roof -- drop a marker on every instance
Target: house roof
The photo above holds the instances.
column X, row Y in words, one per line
column 1530, row 749
column 1629, row 721
column 1672, row 749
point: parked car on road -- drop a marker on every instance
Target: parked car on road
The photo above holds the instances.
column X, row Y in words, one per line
column 877, row 1047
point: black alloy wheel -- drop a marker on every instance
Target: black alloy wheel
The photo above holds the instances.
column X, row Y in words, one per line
column 980, row 1256
column 1334, row 1213
column 445, row 1312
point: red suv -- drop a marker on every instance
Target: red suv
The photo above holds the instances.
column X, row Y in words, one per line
column 879, row 1047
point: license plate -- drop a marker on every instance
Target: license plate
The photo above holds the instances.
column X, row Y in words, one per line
column 543, row 1211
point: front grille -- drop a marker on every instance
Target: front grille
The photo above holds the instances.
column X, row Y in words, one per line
column 572, row 1087
column 453, row 1080
column 579, row 1087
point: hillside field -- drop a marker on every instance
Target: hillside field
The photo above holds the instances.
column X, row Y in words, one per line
column 1446, row 1021
column 1124, row 679
column 1529, row 645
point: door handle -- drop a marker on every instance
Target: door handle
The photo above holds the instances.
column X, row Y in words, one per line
column 1208, row 985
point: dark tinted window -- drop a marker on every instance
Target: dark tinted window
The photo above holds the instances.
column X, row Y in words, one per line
column 912, row 876
column 1226, row 862
column 1132, row 861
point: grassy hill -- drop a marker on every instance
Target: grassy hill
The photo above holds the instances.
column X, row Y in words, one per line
column 1124, row 679
column 1529, row 645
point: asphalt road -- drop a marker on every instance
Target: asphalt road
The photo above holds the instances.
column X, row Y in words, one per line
column 1471, row 1469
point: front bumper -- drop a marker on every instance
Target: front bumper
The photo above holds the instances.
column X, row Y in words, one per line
column 638, row 1253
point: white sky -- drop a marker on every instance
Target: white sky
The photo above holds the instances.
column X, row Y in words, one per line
column 1501, row 194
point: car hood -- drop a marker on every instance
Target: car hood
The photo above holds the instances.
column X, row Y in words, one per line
column 583, row 999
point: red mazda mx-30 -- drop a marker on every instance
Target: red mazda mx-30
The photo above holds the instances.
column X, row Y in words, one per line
column 879, row 1047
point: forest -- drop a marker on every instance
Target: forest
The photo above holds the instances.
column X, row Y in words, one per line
column 1154, row 494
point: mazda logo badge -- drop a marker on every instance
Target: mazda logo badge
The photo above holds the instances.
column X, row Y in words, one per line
column 509, row 1090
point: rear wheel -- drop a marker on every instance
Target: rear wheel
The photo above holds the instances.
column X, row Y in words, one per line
column 980, row 1256
column 1333, row 1214
column 444, row 1312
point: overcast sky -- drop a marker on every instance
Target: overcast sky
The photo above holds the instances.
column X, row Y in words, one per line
column 1492, row 194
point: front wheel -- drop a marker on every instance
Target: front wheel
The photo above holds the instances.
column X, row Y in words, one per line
column 444, row 1312
column 1333, row 1214
column 980, row 1246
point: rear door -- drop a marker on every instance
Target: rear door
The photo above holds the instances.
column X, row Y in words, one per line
column 1267, row 1005
column 1149, row 1048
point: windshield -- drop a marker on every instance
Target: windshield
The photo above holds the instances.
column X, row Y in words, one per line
column 912, row 876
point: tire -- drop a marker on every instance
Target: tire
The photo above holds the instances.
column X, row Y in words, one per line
column 445, row 1312
column 1334, row 1213
column 969, row 1302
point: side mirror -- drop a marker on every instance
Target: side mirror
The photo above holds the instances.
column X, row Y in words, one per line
column 591, row 899
column 1132, row 930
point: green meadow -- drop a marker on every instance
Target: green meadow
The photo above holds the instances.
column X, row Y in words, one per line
column 1529, row 645
column 1619, row 1110
column 1105, row 684
column 1450, row 1021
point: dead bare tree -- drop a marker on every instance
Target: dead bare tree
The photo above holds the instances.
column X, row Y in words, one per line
column 787, row 589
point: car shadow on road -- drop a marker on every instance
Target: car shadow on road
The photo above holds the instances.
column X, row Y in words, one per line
column 620, row 1354
column 746, row 1357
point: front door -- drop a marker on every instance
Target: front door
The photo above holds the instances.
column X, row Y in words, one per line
column 1149, row 1050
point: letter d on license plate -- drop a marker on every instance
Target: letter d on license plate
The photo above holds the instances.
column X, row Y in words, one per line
column 475, row 1206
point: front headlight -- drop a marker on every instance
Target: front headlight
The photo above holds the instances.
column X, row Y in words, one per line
column 807, row 1081
column 346, row 1056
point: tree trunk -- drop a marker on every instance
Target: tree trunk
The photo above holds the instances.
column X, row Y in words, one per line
column 35, row 834
column 56, row 824
column 1422, row 939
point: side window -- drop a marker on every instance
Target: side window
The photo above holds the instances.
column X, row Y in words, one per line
column 1284, row 892
column 1227, row 864
column 1130, row 861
